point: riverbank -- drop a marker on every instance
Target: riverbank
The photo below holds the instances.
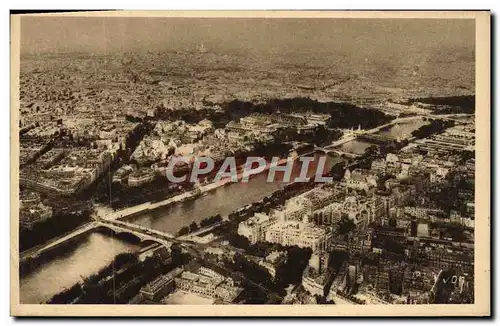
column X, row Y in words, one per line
column 79, row 258
column 348, row 143
column 223, row 200
column 103, row 212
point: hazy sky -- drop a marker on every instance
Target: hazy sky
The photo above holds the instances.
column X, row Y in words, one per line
column 258, row 35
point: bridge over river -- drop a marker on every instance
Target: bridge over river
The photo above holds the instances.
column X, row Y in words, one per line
column 112, row 220
column 37, row 250
column 119, row 227
column 371, row 134
column 141, row 232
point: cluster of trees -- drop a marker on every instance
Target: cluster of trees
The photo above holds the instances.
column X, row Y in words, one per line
column 320, row 136
column 251, row 270
column 60, row 223
column 188, row 229
column 238, row 241
column 276, row 198
column 219, row 118
column 262, row 249
column 374, row 151
column 211, row 220
column 343, row 115
column 289, row 272
column 275, row 148
column 345, row 225
column 434, row 127
column 460, row 100
column 454, row 104
column 338, row 170
column 365, row 160
column 207, row 221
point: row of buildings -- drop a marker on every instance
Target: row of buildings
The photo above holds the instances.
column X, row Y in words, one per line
column 457, row 138
column 74, row 156
column 66, row 172
column 306, row 220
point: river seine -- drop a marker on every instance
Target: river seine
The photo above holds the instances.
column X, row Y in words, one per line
column 96, row 250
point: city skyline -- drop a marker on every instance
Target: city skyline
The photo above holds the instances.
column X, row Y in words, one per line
column 104, row 34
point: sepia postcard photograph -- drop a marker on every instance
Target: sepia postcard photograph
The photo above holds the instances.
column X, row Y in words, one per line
column 250, row 163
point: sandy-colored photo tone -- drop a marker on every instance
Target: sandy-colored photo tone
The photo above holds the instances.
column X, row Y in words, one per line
column 250, row 163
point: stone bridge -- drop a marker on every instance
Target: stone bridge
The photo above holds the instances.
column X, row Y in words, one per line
column 328, row 150
column 34, row 252
column 120, row 227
